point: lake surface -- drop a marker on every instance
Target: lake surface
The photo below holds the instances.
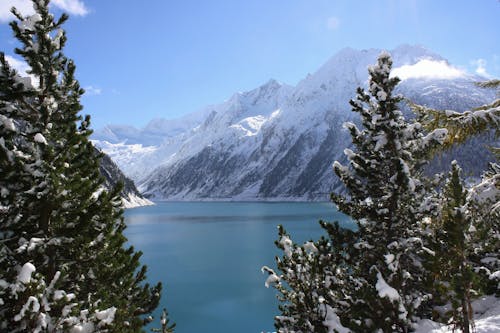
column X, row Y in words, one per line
column 209, row 254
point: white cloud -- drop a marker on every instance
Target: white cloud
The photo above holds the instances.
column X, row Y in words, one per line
column 427, row 68
column 480, row 65
column 75, row 7
column 25, row 7
column 333, row 23
column 91, row 90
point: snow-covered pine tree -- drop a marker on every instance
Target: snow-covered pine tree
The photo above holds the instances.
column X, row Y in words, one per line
column 370, row 279
column 483, row 199
column 55, row 214
column 313, row 282
column 388, row 199
column 483, row 202
column 453, row 276
column 48, row 309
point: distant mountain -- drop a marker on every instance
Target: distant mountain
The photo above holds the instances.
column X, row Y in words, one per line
column 139, row 151
column 131, row 197
column 155, row 132
column 279, row 141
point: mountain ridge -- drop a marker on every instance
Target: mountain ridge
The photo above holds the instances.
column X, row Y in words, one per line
column 278, row 141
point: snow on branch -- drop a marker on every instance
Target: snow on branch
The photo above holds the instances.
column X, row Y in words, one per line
column 460, row 126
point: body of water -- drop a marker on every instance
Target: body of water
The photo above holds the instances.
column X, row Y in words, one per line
column 209, row 254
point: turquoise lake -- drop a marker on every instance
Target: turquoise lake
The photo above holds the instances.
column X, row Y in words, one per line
column 209, row 254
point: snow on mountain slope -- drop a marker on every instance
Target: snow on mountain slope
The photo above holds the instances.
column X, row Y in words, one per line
column 112, row 176
column 139, row 151
column 153, row 134
column 279, row 141
column 132, row 158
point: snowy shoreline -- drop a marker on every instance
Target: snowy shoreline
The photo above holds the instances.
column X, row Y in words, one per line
column 238, row 198
column 134, row 201
column 262, row 200
column 486, row 318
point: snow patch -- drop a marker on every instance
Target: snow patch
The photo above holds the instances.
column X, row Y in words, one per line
column 310, row 247
column 40, row 138
column 106, row 317
column 250, row 126
column 332, row 322
column 7, row 123
column 287, row 244
column 25, row 273
column 30, row 21
column 486, row 191
column 486, row 318
column 272, row 279
column 83, row 328
column 385, row 290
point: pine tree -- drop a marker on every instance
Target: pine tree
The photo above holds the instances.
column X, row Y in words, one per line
column 483, row 203
column 453, row 275
column 371, row 279
column 389, row 199
column 55, row 213
column 313, row 284
column 483, row 199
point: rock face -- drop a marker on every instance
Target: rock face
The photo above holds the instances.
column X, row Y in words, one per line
column 131, row 197
column 279, row 141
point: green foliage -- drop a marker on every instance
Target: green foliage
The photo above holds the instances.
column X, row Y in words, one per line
column 484, row 198
column 416, row 250
column 462, row 126
column 483, row 202
column 313, row 280
column 370, row 279
column 54, row 211
column 453, row 276
column 387, row 197
column 165, row 326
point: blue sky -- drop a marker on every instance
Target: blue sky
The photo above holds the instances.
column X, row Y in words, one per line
column 141, row 60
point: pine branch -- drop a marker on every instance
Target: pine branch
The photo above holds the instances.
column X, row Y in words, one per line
column 495, row 83
column 460, row 126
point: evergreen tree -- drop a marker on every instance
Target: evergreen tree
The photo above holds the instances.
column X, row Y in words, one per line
column 371, row 279
column 453, row 275
column 389, row 199
column 483, row 203
column 313, row 284
column 55, row 214
column 483, row 199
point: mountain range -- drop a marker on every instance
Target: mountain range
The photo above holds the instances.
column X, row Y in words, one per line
column 278, row 142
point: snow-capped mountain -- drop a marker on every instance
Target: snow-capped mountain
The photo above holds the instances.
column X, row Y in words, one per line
column 130, row 196
column 139, row 151
column 277, row 141
column 155, row 132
